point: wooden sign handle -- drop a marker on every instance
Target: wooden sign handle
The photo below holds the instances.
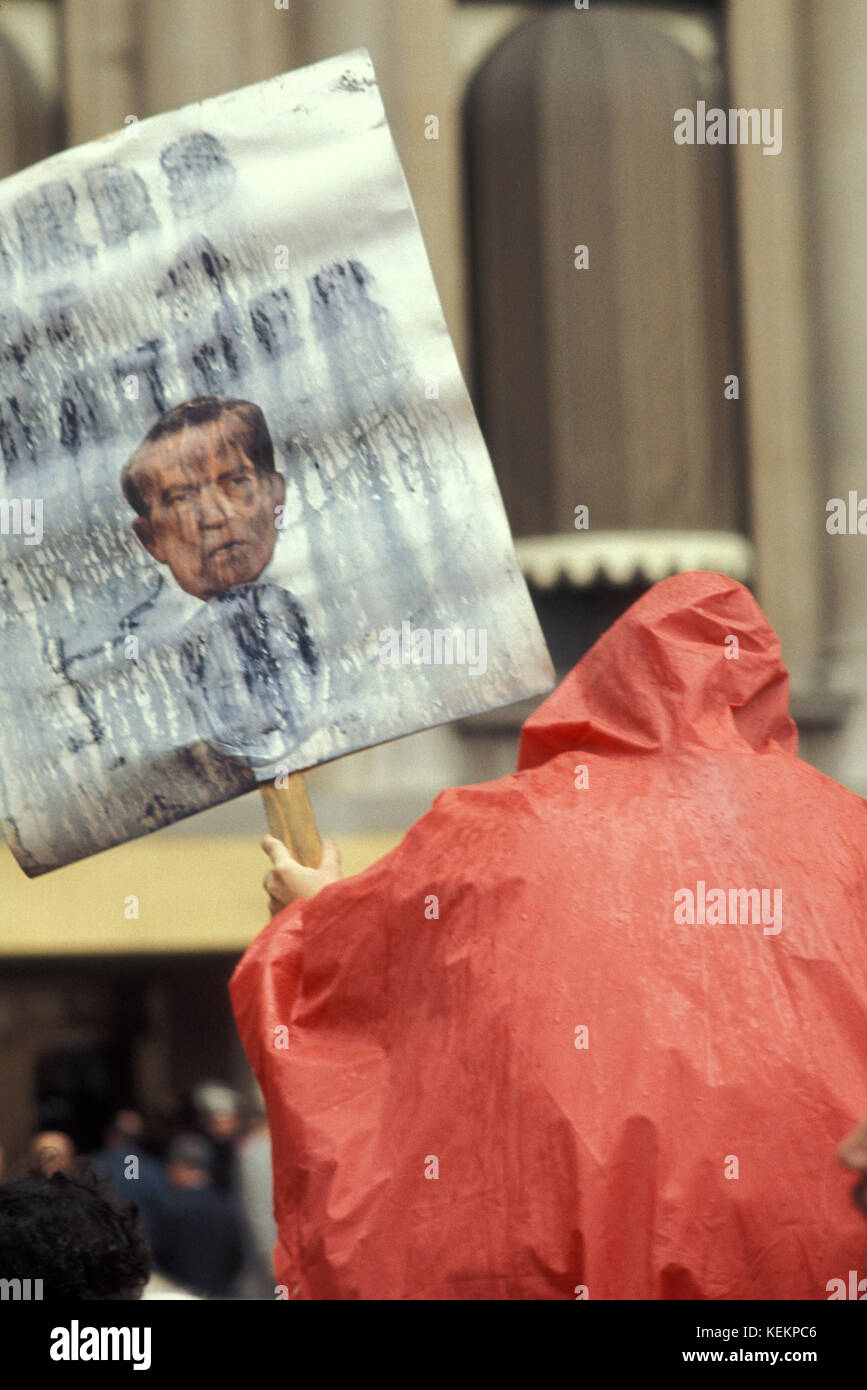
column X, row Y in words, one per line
column 290, row 819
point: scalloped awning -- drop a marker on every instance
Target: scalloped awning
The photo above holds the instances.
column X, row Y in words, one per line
column 624, row 557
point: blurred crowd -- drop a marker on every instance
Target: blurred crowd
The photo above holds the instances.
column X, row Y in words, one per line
column 200, row 1182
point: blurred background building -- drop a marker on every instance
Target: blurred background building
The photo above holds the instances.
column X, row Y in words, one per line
column 697, row 386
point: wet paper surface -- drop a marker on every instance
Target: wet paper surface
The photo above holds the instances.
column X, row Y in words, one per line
column 259, row 247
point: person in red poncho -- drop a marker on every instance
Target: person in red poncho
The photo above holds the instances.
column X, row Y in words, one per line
column 594, row 1030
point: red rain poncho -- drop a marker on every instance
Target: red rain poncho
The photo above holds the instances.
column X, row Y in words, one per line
column 516, row 1070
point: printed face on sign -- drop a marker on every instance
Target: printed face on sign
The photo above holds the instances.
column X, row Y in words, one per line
column 206, row 490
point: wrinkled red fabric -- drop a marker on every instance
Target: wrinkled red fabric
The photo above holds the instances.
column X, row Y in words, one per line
column 442, row 1126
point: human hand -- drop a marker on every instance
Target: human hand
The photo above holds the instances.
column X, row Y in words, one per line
column 288, row 880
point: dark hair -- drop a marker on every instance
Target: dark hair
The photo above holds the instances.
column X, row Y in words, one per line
column 65, row 1231
column 257, row 441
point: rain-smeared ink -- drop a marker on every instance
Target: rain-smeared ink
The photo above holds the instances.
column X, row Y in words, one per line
column 150, row 275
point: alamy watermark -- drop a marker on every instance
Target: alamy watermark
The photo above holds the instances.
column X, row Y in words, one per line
column 21, row 1290
column 21, row 516
column 852, row 1287
column 77, row 1343
column 714, row 907
column 444, row 646
column 846, row 516
column 738, row 126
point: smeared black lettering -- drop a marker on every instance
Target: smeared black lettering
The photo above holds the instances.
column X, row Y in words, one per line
column 17, row 440
column 182, row 284
column 121, row 202
column 81, row 417
column 144, row 362
column 203, row 319
column 274, row 320
column 199, row 172
column 7, row 262
column 47, row 228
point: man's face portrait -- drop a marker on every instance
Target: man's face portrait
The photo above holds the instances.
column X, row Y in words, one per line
column 205, row 508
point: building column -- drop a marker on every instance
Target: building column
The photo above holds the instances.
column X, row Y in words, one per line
column 835, row 40
column 101, row 69
column 766, row 52
column 413, row 49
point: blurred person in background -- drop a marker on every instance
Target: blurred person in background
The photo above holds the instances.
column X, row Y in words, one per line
column 257, row 1204
column 199, row 1237
column 217, row 1112
column 132, row 1174
column 52, row 1152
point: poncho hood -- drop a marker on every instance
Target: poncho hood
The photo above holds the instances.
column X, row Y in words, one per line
column 694, row 661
